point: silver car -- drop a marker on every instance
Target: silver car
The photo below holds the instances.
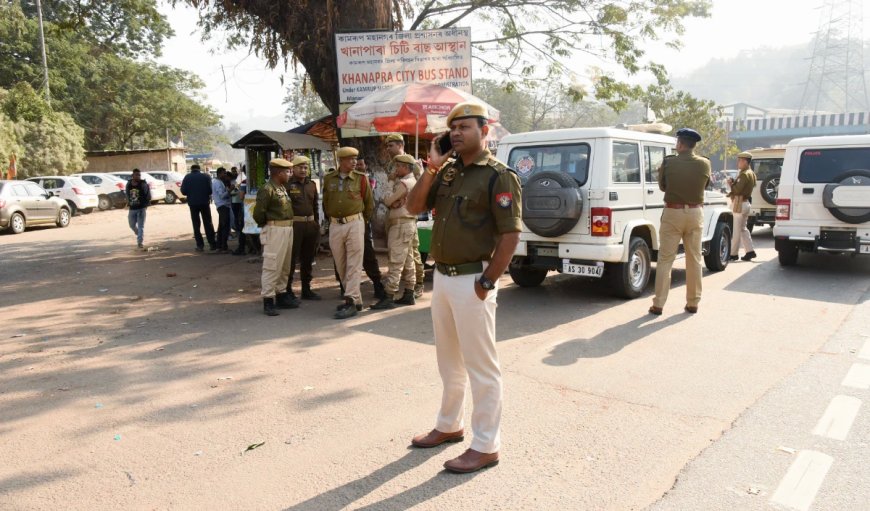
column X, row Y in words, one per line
column 24, row 204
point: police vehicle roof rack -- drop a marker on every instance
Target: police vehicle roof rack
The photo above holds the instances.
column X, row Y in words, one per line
column 658, row 128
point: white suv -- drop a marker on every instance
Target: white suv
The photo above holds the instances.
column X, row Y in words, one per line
column 80, row 196
column 824, row 197
column 592, row 206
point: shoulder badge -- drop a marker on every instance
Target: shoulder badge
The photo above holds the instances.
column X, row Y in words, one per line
column 497, row 165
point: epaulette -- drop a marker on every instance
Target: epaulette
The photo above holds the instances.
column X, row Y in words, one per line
column 360, row 173
column 670, row 156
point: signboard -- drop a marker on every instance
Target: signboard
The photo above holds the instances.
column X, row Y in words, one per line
column 371, row 61
column 251, row 226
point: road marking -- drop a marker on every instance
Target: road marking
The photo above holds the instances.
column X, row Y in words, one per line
column 865, row 351
column 802, row 481
column 838, row 418
column 858, row 377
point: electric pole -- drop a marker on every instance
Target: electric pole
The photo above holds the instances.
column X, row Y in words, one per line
column 44, row 57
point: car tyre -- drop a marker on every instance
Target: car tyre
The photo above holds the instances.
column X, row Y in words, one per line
column 629, row 279
column 63, row 218
column 87, row 211
column 720, row 248
column 525, row 275
column 105, row 203
column 787, row 254
column 17, row 223
column 170, row 198
column 73, row 210
column 770, row 189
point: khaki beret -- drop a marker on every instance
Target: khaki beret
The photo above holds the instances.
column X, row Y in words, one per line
column 344, row 152
column 395, row 137
column 280, row 163
column 300, row 160
column 405, row 158
column 746, row 155
column 466, row 110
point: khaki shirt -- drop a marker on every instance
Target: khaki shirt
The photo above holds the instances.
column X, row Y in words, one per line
column 344, row 196
column 303, row 196
column 401, row 188
column 683, row 178
column 272, row 204
column 468, row 218
column 743, row 185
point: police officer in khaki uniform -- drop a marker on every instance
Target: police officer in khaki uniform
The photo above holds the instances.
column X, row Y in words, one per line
column 273, row 212
column 683, row 177
column 348, row 203
column 306, row 227
column 476, row 229
column 401, row 233
column 741, row 191
column 395, row 146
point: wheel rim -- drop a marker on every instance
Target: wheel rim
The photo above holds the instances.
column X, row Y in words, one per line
column 772, row 187
column 64, row 217
column 104, row 203
column 637, row 269
column 17, row 223
column 724, row 247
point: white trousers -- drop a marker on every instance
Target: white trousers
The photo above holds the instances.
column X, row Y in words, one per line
column 465, row 346
column 742, row 236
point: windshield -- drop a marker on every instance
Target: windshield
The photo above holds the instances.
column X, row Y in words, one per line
column 572, row 159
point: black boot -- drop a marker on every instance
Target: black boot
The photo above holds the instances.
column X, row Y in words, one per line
column 283, row 301
column 384, row 303
column 733, row 258
column 347, row 310
column 307, row 293
column 292, row 297
column 269, row 307
column 380, row 292
column 407, row 298
column 749, row 256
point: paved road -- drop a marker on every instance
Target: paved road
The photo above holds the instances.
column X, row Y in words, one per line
column 133, row 389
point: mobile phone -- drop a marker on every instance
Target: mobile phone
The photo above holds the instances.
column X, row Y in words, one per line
column 445, row 146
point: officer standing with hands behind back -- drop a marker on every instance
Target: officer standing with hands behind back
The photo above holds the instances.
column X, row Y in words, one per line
column 477, row 202
column 273, row 213
column 683, row 177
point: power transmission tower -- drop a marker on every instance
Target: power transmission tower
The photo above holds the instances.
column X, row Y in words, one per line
column 836, row 80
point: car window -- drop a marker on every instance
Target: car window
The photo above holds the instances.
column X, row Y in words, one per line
column 626, row 163
column 34, row 190
column 767, row 167
column 827, row 165
column 653, row 157
column 19, row 190
column 572, row 159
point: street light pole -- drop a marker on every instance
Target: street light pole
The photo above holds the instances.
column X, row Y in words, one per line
column 44, row 57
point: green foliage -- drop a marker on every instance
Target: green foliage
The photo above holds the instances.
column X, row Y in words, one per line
column 23, row 104
column 9, row 143
column 302, row 103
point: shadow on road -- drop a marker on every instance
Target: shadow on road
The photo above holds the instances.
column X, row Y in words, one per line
column 343, row 496
column 609, row 341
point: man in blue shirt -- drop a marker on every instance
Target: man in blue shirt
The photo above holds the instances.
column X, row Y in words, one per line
column 196, row 186
column 221, row 195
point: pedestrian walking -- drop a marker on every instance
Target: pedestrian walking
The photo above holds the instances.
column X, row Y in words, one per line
column 273, row 212
column 221, row 196
column 741, row 192
column 349, row 204
column 237, row 203
column 138, row 200
column 395, row 146
column 196, row 186
column 477, row 200
column 683, row 177
column 306, row 227
column 401, row 233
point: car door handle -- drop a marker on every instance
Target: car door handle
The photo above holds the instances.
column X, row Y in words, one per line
column 650, row 191
column 809, row 191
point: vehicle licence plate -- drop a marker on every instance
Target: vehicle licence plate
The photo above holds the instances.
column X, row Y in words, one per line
column 865, row 249
column 585, row 270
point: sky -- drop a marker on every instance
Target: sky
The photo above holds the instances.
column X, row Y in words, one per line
column 251, row 95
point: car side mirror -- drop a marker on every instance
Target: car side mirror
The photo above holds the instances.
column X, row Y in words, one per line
column 47, row 195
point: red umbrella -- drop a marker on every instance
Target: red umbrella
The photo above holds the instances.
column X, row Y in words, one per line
column 413, row 108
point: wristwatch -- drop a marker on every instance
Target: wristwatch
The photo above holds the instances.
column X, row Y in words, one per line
column 485, row 283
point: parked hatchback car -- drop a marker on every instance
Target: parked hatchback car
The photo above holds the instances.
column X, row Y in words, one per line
column 592, row 206
column 110, row 189
column 172, row 182
column 24, row 204
column 158, row 189
column 80, row 196
column 823, row 204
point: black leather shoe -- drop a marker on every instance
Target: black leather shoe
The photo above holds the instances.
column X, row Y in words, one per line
column 348, row 310
column 269, row 307
column 733, row 258
column 308, row 294
column 292, row 297
column 283, row 301
column 380, row 292
column 749, row 256
column 407, row 298
column 384, row 303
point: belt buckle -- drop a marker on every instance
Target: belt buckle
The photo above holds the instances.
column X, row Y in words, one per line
column 342, row 220
column 451, row 270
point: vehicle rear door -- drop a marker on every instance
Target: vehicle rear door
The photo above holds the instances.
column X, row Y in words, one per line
column 626, row 192
column 832, row 184
column 654, row 198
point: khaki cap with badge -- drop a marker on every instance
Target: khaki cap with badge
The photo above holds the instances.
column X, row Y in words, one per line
column 300, row 160
column 280, row 163
column 467, row 110
column 395, row 137
column 745, row 155
column 347, row 152
column 404, row 158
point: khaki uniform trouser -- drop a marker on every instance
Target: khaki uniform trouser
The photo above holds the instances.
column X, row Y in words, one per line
column 464, row 329
column 400, row 242
column 685, row 224
column 346, row 243
column 742, row 236
column 277, row 251
column 418, row 261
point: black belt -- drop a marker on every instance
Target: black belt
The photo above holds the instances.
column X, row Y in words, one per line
column 454, row 270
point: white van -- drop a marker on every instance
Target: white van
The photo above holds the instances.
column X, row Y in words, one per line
column 824, row 197
column 592, row 206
